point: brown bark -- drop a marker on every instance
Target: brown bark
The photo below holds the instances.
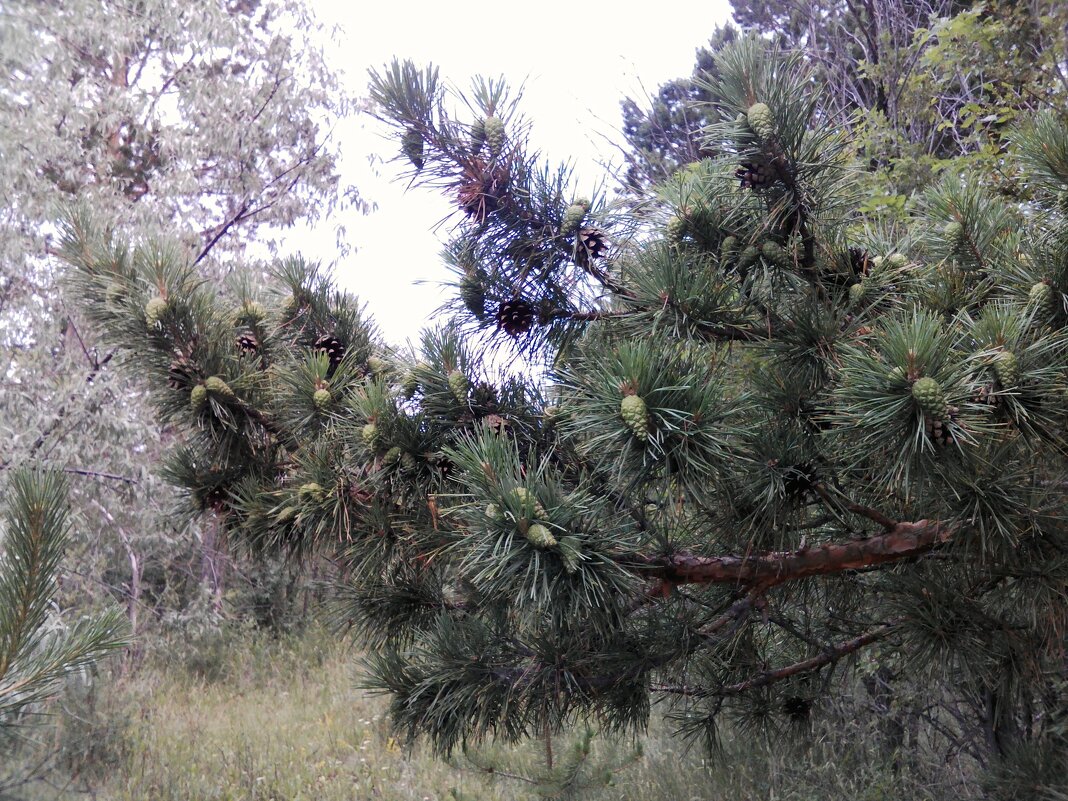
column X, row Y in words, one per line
column 903, row 541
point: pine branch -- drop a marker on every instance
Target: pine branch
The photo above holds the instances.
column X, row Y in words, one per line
column 79, row 471
column 31, row 660
column 903, row 541
column 864, row 511
column 832, row 654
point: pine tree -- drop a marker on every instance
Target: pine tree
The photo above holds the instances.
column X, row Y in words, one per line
column 667, row 134
column 779, row 447
column 34, row 656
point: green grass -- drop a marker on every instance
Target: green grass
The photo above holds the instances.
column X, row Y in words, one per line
column 246, row 717
column 283, row 722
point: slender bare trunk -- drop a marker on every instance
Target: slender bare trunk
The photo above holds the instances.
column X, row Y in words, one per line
column 213, row 562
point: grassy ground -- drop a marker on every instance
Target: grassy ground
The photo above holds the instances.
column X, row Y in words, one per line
column 251, row 718
column 279, row 721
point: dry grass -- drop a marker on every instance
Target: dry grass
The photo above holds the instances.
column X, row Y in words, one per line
column 282, row 720
column 285, row 724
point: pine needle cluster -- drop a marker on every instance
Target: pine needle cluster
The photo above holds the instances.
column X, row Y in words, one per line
column 37, row 649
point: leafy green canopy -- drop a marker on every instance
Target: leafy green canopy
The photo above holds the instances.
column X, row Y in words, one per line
column 773, row 440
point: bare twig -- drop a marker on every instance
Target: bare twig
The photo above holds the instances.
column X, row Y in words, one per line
column 832, row 654
column 78, row 471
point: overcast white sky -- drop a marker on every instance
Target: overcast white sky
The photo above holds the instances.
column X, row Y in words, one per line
column 578, row 61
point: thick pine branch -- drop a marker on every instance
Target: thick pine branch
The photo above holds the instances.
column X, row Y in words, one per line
column 903, row 541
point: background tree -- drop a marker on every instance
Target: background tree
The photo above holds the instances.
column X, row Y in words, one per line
column 935, row 83
column 779, row 450
column 206, row 120
column 668, row 134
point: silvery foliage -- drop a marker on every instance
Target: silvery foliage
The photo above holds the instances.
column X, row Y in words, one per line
column 210, row 120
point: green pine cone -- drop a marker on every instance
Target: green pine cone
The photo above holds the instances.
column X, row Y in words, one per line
column 311, row 490
column 1007, row 369
column 675, row 230
column 635, row 414
column 478, row 135
column 955, row 237
column 286, row 514
column 530, row 502
column 370, row 435
column 897, row 260
column 539, row 536
column 777, row 255
column 459, row 385
column 570, row 554
column 393, row 455
column 198, row 396
column 473, row 294
column 411, row 384
column 377, row 366
column 930, row 398
column 216, row 386
column 856, row 293
column 412, row 147
column 115, row 294
column 494, row 127
column 727, row 249
column 407, row 461
column 748, row 257
column 250, row 313
column 293, row 308
column 1062, row 202
column 322, row 397
column 1042, row 298
column 573, row 217
column 762, row 121
column 703, row 224
column 155, row 309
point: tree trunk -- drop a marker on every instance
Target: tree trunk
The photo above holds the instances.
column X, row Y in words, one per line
column 213, row 562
